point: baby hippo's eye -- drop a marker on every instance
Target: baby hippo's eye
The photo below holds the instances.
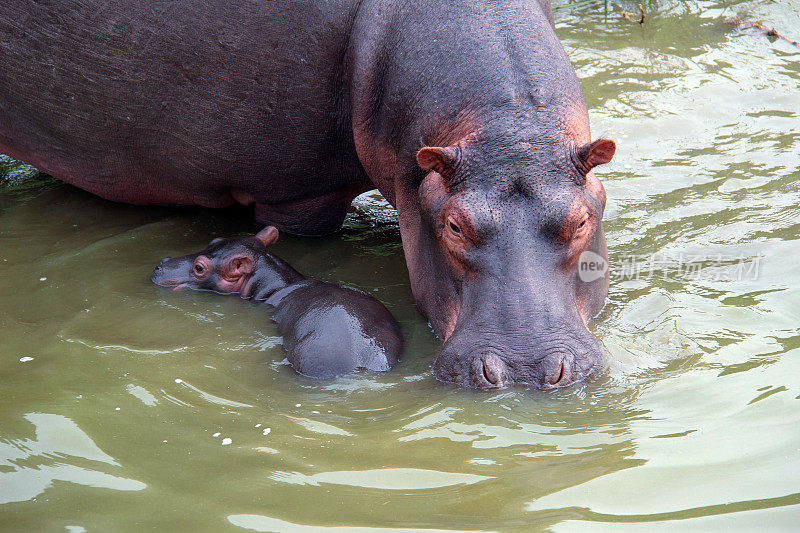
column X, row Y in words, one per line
column 454, row 227
column 199, row 269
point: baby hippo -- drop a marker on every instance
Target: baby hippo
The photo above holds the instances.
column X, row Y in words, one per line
column 327, row 330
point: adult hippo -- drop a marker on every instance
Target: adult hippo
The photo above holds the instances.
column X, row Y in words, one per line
column 467, row 116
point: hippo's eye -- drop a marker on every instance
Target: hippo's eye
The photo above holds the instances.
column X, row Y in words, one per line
column 199, row 269
column 454, row 226
column 458, row 232
column 582, row 225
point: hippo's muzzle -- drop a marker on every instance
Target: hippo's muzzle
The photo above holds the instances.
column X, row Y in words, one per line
column 173, row 272
column 521, row 337
column 542, row 364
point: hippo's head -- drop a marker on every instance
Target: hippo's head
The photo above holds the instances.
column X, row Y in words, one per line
column 507, row 257
column 224, row 266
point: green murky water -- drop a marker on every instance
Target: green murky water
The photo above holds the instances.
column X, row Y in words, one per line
column 126, row 408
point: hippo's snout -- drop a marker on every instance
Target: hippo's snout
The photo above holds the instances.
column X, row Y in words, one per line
column 172, row 272
column 158, row 272
column 545, row 366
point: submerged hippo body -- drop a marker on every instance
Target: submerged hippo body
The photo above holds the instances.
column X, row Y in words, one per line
column 327, row 330
column 467, row 116
column 330, row 330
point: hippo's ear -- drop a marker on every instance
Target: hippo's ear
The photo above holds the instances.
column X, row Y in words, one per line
column 596, row 153
column 240, row 265
column 439, row 159
column 268, row 235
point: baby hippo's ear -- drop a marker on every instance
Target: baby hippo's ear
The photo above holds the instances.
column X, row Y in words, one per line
column 268, row 235
column 241, row 265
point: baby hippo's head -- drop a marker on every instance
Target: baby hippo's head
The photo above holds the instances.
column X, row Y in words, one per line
column 225, row 266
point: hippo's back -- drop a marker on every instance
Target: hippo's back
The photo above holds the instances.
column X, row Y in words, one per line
column 330, row 331
column 147, row 101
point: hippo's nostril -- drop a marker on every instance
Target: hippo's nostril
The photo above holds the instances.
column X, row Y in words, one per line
column 560, row 376
column 489, row 375
column 493, row 371
column 560, row 373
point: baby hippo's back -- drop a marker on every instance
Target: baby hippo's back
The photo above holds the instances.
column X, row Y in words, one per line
column 329, row 330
